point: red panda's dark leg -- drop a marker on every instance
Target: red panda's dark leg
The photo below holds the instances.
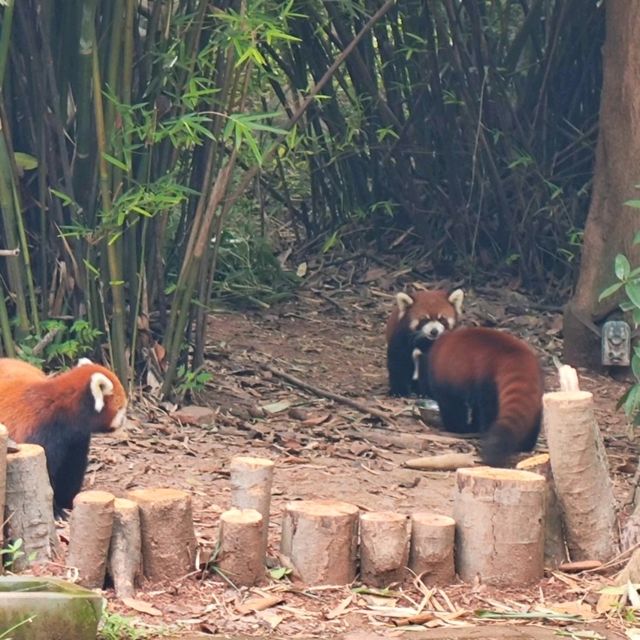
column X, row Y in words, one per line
column 67, row 456
column 454, row 411
column 484, row 406
column 69, row 477
column 400, row 366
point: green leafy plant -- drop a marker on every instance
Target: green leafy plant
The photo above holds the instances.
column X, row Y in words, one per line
column 189, row 382
column 59, row 344
column 12, row 552
column 116, row 627
column 628, row 283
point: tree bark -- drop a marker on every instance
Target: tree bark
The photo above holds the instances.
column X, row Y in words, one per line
column 251, row 480
column 241, row 558
column 432, row 544
column 319, row 541
column 581, row 475
column 554, row 547
column 29, row 506
column 499, row 516
column 166, row 529
column 90, row 529
column 384, row 547
column 610, row 224
column 125, row 552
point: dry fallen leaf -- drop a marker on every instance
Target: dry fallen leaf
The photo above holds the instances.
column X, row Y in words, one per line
column 574, row 608
column 276, row 407
column 607, row 602
column 341, row 609
column 141, row 606
column 272, row 619
column 313, row 421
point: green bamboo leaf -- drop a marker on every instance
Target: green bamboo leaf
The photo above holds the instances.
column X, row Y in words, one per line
column 636, row 238
column 115, row 162
column 25, row 161
column 622, row 266
column 633, row 203
column 635, row 366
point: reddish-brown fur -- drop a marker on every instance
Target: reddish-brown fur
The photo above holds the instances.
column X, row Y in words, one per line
column 59, row 413
column 499, row 379
column 408, row 328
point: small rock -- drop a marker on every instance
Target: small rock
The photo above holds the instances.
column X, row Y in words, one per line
column 192, row 414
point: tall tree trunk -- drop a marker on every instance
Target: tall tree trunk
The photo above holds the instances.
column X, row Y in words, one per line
column 610, row 224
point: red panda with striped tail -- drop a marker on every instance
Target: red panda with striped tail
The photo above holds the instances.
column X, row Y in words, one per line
column 489, row 382
column 60, row 413
column 415, row 324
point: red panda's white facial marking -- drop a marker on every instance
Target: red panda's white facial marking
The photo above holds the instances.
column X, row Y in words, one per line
column 118, row 420
column 431, row 328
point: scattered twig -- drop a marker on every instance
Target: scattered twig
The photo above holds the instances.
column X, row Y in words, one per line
column 9, row 253
column 324, row 393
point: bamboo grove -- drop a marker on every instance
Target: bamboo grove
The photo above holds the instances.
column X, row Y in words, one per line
column 136, row 133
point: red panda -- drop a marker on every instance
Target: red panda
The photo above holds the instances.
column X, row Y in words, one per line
column 60, row 413
column 488, row 382
column 413, row 326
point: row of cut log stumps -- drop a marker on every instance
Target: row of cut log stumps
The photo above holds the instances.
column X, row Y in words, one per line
column 507, row 525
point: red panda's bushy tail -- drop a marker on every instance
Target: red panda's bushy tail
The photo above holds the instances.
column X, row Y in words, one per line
column 517, row 424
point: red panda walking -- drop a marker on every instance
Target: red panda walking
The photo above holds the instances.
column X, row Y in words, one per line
column 60, row 413
column 499, row 379
column 413, row 326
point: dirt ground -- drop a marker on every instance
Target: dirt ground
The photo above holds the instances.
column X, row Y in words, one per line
column 331, row 337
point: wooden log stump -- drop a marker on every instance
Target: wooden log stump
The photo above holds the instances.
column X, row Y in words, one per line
column 251, row 480
column 125, row 552
column 555, row 552
column 4, row 440
column 581, row 475
column 241, row 558
column 384, row 547
column 319, row 540
column 90, row 529
column 166, row 526
column 29, row 506
column 499, row 516
column 431, row 551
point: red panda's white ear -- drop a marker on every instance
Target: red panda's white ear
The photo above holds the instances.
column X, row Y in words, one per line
column 100, row 387
column 83, row 361
column 455, row 298
column 404, row 301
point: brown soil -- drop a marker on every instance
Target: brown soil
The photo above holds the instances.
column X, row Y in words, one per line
column 330, row 336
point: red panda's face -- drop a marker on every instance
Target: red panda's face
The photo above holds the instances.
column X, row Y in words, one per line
column 108, row 397
column 430, row 313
